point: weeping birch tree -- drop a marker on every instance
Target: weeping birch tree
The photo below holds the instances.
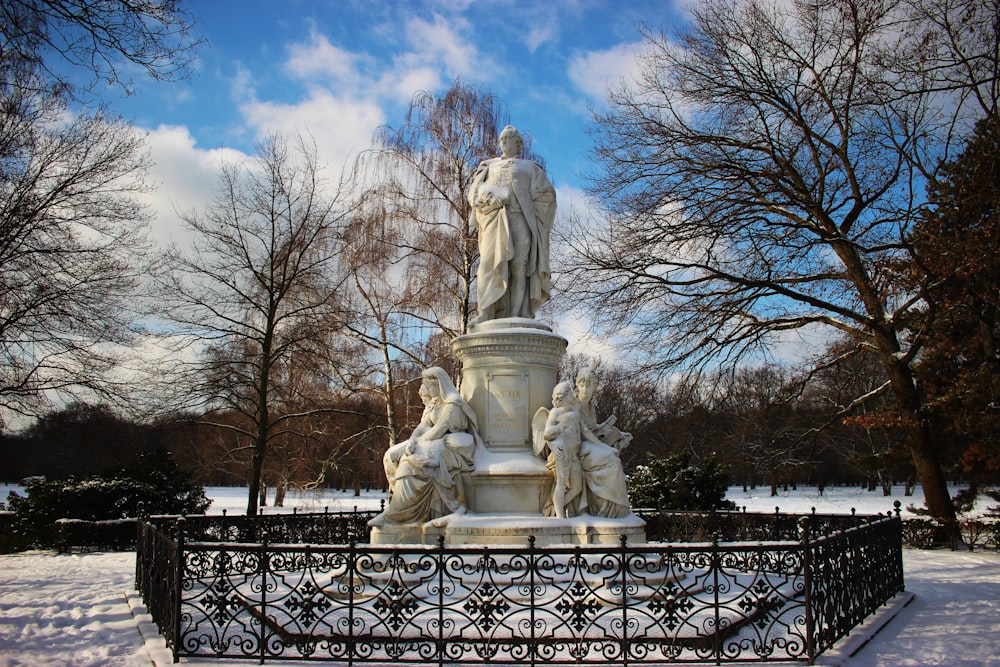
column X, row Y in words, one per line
column 420, row 174
column 760, row 178
column 413, row 250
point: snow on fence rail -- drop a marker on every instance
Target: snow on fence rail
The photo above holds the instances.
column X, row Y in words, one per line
column 786, row 599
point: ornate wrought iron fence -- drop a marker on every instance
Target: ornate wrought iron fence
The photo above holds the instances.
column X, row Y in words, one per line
column 313, row 528
column 669, row 526
column 653, row 603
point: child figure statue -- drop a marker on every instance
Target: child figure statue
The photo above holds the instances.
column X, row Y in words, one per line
column 558, row 434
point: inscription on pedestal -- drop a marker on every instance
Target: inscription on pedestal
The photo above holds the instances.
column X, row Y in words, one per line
column 507, row 410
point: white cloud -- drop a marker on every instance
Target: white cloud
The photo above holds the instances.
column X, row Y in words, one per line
column 319, row 59
column 345, row 90
column 185, row 177
column 242, row 84
column 595, row 72
column 538, row 35
column 798, row 346
column 408, row 76
column 577, row 328
column 440, row 42
column 571, row 198
column 340, row 126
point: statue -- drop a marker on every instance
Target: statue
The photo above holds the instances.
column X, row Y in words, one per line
column 557, row 434
column 576, row 454
column 606, row 432
column 514, row 206
column 424, row 471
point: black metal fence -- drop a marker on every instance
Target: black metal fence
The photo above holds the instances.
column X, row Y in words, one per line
column 789, row 598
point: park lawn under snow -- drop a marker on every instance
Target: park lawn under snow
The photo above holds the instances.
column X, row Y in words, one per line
column 72, row 610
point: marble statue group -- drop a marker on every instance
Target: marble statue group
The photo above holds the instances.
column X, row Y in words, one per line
column 423, row 471
column 514, row 442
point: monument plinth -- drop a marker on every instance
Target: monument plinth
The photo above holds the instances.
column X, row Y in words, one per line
column 509, row 367
column 514, row 529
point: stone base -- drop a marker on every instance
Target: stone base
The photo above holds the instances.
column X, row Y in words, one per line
column 507, row 483
column 514, row 529
column 509, row 367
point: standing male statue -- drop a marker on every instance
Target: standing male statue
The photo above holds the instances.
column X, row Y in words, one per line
column 514, row 205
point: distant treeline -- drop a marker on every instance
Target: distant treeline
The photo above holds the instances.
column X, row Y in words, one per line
column 764, row 426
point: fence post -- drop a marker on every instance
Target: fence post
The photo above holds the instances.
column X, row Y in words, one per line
column 440, row 565
column 533, row 645
column 897, row 555
column 140, row 550
column 623, row 564
column 178, row 587
column 264, row 559
column 352, row 564
column 807, row 593
column 716, row 565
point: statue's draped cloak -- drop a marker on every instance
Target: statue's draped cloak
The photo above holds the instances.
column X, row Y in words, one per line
column 525, row 182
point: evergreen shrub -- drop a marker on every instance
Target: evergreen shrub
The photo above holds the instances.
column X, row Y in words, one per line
column 675, row 483
column 154, row 484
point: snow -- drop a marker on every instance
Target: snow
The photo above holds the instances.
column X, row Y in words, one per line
column 234, row 501
column 68, row 610
column 74, row 610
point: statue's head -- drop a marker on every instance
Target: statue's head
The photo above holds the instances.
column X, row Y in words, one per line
column 438, row 384
column 511, row 142
column 586, row 382
column 562, row 394
column 431, row 382
column 425, row 395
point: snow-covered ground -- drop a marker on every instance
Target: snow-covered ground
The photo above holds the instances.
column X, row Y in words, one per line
column 72, row 610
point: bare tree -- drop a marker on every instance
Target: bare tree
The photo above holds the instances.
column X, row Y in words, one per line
column 72, row 230
column 767, row 431
column 760, row 178
column 100, row 40
column 257, row 295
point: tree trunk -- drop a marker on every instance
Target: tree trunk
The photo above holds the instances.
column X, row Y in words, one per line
column 257, row 488
column 390, row 399
column 920, row 443
column 263, row 420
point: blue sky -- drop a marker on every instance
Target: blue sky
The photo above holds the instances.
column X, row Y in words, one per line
column 338, row 69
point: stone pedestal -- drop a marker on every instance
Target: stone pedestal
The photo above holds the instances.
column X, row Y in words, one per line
column 515, row 529
column 509, row 368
